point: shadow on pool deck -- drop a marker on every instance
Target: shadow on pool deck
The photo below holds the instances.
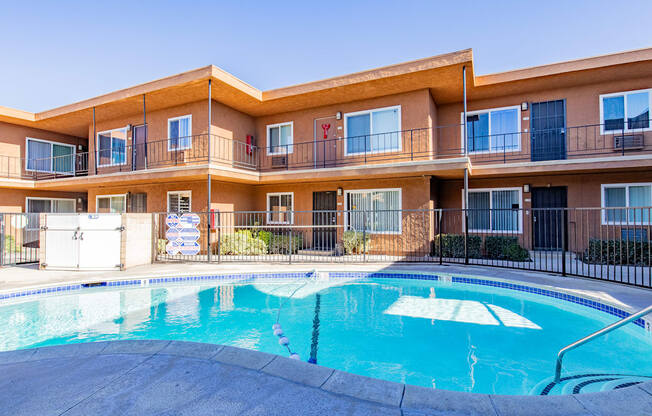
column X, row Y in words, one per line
column 172, row 377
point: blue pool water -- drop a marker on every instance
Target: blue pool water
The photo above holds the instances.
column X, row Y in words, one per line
column 446, row 335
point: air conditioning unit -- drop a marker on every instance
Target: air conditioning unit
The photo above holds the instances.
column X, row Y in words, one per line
column 628, row 142
column 279, row 161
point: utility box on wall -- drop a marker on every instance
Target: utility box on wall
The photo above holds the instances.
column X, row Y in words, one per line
column 94, row 241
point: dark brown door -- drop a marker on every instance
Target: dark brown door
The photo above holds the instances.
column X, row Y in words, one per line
column 548, row 217
column 324, row 217
column 139, row 142
column 325, row 135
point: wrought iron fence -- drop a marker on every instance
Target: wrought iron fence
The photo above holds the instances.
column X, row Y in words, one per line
column 601, row 243
column 19, row 238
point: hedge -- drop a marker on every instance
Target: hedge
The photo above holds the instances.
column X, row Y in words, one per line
column 279, row 243
column 505, row 248
column 242, row 242
column 453, row 246
column 634, row 253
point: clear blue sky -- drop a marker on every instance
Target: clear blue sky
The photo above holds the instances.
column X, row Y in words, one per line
column 54, row 53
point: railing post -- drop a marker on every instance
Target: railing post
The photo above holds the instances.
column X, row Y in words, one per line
column 287, row 158
column 563, row 242
column 290, row 242
column 324, row 153
column 622, row 139
column 441, row 235
column 364, row 236
column 219, row 236
column 411, row 146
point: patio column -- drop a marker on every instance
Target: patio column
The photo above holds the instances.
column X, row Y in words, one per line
column 94, row 145
column 208, row 193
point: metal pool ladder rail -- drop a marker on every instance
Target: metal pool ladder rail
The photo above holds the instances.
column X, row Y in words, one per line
column 603, row 331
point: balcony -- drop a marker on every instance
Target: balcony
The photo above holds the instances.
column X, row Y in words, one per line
column 579, row 143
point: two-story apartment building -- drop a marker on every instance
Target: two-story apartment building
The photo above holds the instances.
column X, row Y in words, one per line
column 569, row 134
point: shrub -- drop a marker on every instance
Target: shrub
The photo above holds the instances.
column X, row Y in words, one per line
column 505, row 248
column 280, row 244
column 354, row 242
column 634, row 253
column 266, row 236
column 160, row 246
column 453, row 246
column 242, row 242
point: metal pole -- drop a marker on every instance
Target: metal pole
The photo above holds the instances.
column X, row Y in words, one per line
column 209, row 170
column 145, row 126
column 466, row 215
column 94, row 143
column 563, row 242
column 466, row 151
column 364, row 235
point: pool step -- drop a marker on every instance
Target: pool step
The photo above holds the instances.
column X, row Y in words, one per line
column 587, row 383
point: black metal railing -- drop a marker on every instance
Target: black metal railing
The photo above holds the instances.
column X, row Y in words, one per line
column 422, row 144
column 602, row 243
column 19, row 238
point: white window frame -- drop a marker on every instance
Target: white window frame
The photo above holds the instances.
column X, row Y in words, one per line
column 35, row 198
column 189, row 194
column 269, row 210
column 174, row 149
column 358, row 191
column 124, row 203
column 97, row 145
column 289, row 147
column 490, row 190
column 626, row 124
column 490, row 110
column 51, row 143
column 605, row 208
column 371, row 129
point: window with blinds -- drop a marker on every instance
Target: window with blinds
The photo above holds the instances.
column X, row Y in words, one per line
column 494, row 210
column 111, row 204
column 279, row 208
column 179, row 201
column 376, row 211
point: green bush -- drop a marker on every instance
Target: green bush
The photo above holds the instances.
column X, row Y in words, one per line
column 266, row 236
column 354, row 242
column 280, row 244
column 242, row 242
column 160, row 247
column 453, row 246
column 505, row 248
column 634, row 253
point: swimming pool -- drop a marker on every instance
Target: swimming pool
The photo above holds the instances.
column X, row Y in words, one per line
column 455, row 333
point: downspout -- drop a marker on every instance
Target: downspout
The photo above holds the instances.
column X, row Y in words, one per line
column 466, row 173
column 145, row 125
column 208, row 210
column 94, row 144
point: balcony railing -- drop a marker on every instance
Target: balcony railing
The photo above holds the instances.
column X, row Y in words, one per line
column 424, row 144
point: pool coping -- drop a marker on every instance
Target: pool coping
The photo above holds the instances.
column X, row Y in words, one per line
column 401, row 397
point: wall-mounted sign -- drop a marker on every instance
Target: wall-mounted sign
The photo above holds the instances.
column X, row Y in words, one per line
column 182, row 234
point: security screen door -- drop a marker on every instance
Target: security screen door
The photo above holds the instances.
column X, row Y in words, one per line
column 548, row 126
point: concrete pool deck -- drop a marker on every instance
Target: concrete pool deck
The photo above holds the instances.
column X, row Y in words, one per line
column 173, row 377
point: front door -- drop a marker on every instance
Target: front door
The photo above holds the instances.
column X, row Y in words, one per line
column 324, row 220
column 548, row 217
column 139, row 142
column 325, row 144
column 548, row 125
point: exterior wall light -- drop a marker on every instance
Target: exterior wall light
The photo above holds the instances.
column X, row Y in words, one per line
column 526, row 188
column 340, row 191
column 338, row 115
column 524, row 106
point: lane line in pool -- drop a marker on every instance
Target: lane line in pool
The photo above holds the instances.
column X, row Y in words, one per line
column 314, row 345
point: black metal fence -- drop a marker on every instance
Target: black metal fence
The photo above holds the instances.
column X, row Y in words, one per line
column 19, row 238
column 602, row 243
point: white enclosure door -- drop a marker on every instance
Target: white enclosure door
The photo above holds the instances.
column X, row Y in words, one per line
column 61, row 244
column 99, row 241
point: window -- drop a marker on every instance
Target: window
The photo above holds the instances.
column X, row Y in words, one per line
column 280, row 138
column 494, row 210
column 625, row 111
column 45, row 156
column 179, row 201
column 111, row 203
column 50, row 205
column 622, row 196
column 111, row 147
column 373, row 131
column 180, row 133
column 377, row 211
column 495, row 130
column 280, row 207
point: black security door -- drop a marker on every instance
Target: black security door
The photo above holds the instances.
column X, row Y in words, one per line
column 324, row 216
column 548, row 219
column 548, row 125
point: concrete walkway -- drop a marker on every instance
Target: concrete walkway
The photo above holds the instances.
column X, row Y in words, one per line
column 180, row 378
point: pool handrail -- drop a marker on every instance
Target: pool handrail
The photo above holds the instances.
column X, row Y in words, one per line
column 590, row 337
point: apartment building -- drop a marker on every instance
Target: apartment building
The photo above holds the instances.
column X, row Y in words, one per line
column 569, row 134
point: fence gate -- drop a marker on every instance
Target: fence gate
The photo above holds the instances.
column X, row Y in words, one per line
column 82, row 241
column 19, row 238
